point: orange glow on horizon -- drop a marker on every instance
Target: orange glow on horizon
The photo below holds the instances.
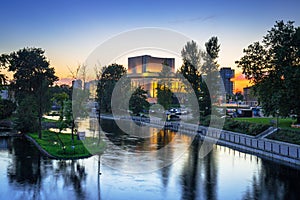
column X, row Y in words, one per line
column 240, row 82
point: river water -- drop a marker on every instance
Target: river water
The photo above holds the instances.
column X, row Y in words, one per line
column 222, row 174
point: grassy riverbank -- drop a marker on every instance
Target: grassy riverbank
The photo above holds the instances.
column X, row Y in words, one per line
column 284, row 123
column 286, row 132
column 60, row 145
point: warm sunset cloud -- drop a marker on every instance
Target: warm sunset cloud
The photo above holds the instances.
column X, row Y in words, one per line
column 240, row 82
column 64, row 81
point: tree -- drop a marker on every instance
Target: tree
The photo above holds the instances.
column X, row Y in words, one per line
column 192, row 54
column 212, row 53
column 138, row 101
column 198, row 87
column 26, row 117
column 7, row 107
column 32, row 78
column 2, row 66
column 2, row 79
column 239, row 96
column 210, row 68
column 274, row 68
column 164, row 94
column 109, row 77
column 60, row 99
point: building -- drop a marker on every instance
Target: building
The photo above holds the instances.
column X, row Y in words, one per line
column 145, row 71
column 227, row 74
column 148, row 64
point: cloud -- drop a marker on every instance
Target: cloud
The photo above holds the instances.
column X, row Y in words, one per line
column 195, row 19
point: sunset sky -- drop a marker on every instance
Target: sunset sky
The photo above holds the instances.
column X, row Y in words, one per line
column 70, row 30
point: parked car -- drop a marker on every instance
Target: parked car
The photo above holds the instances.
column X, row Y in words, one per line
column 175, row 111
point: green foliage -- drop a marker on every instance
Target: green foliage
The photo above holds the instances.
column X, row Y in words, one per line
column 165, row 96
column 60, row 89
column 26, row 116
column 32, row 78
column 274, row 67
column 239, row 96
column 286, row 135
column 212, row 52
column 60, row 99
column 7, row 107
column 245, row 127
column 192, row 54
column 198, row 87
column 284, row 123
column 194, row 73
column 109, row 77
column 138, row 101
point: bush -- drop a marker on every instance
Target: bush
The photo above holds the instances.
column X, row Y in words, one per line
column 7, row 107
column 245, row 127
column 248, row 128
column 286, row 135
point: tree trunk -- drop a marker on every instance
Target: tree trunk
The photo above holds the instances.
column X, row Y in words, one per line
column 40, row 122
column 99, row 115
column 72, row 131
column 298, row 119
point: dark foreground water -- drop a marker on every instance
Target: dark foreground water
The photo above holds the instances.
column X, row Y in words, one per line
column 222, row 174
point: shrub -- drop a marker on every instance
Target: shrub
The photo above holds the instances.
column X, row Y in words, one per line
column 7, row 107
column 245, row 127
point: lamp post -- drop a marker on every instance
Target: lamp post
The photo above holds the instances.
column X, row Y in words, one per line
column 277, row 121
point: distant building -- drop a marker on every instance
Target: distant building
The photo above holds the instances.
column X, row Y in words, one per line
column 144, row 71
column 77, row 83
column 7, row 93
column 227, row 74
column 4, row 94
column 91, row 86
column 148, row 64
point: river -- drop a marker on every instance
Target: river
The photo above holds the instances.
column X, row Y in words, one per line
column 222, row 174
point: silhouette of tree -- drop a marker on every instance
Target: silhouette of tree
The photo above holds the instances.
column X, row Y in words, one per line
column 274, row 68
column 32, row 77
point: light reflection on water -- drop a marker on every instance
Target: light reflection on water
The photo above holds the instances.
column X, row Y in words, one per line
column 223, row 174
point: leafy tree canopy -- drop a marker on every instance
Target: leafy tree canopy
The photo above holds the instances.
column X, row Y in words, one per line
column 274, row 67
column 109, row 77
column 32, row 78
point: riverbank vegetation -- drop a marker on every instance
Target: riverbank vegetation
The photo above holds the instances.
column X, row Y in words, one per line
column 246, row 127
column 286, row 135
column 61, row 145
column 284, row 123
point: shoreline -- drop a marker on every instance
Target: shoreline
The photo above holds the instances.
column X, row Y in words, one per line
column 276, row 151
column 273, row 150
column 50, row 156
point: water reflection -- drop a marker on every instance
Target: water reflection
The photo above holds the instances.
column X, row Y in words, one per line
column 223, row 174
column 27, row 170
column 271, row 183
column 159, row 149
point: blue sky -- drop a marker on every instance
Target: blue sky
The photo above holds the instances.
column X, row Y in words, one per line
column 70, row 30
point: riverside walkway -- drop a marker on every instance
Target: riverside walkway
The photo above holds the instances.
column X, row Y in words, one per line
column 259, row 145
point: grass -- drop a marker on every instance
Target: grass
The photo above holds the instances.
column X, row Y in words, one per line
column 286, row 132
column 60, row 145
column 284, row 123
